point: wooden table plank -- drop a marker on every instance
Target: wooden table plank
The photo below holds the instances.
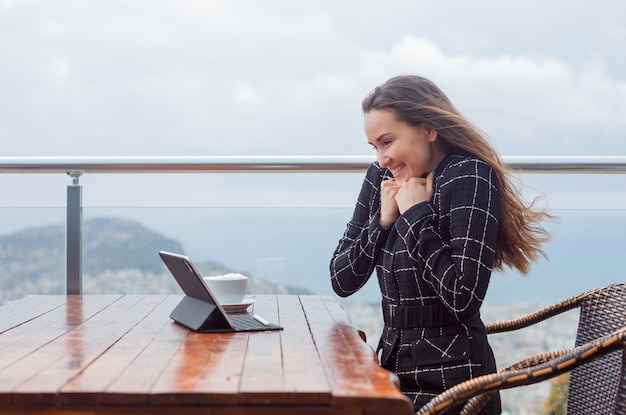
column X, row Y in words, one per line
column 134, row 384
column 341, row 350
column 21, row 346
column 262, row 377
column 52, row 316
column 15, row 313
column 303, row 370
column 57, row 362
column 205, row 370
column 87, row 387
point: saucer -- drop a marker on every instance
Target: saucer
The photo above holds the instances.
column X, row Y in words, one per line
column 241, row 307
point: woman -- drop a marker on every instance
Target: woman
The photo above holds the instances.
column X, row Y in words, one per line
column 436, row 213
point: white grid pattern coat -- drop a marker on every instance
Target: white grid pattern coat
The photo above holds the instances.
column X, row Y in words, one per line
column 433, row 264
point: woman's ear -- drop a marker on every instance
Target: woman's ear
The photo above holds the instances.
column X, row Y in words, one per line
column 431, row 133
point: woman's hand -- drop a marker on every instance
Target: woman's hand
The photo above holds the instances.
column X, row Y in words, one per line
column 414, row 191
column 388, row 206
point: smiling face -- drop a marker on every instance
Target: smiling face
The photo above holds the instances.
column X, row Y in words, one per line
column 405, row 150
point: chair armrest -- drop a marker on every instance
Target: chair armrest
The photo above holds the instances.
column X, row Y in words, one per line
column 538, row 316
column 538, row 359
column 507, row 379
column 478, row 402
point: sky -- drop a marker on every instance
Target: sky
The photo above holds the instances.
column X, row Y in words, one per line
column 281, row 77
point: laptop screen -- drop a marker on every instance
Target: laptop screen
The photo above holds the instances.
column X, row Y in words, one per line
column 192, row 284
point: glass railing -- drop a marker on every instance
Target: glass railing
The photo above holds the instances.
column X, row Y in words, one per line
column 273, row 232
column 250, row 218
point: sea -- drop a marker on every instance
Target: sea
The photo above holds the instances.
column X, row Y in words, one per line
column 293, row 246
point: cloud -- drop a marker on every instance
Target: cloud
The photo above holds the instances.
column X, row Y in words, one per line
column 117, row 78
column 520, row 99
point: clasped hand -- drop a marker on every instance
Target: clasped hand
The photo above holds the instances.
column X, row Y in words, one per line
column 397, row 197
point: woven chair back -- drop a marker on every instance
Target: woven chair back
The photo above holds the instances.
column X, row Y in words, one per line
column 593, row 387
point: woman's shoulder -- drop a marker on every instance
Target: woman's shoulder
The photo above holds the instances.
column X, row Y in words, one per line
column 464, row 164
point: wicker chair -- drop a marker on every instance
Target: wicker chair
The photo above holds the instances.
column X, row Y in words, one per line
column 597, row 383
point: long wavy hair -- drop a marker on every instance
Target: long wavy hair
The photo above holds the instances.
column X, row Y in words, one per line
column 416, row 100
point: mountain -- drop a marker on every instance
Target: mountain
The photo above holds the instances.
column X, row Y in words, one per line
column 119, row 255
column 109, row 244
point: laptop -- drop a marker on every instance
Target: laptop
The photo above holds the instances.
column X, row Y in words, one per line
column 199, row 309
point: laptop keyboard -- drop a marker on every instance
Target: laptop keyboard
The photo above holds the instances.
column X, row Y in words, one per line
column 244, row 322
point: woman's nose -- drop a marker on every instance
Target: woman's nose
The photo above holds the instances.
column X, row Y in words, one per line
column 382, row 159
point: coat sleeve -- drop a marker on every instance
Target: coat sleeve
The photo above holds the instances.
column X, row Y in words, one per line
column 456, row 260
column 355, row 257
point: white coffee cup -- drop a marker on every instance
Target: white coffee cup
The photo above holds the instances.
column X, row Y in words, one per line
column 228, row 288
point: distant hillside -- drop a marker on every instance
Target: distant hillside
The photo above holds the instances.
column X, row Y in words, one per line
column 117, row 244
column 118, row 256
column 109, row 244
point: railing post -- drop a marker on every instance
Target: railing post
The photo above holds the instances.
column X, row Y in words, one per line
column 74, row 236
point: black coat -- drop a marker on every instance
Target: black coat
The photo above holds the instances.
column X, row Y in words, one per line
column 433, row 267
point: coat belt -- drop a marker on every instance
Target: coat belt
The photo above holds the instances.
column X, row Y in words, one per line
column 408, row 317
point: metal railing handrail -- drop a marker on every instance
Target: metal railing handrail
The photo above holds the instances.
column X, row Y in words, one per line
column 273, row 164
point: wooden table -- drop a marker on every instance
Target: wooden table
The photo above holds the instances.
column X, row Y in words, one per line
column 122, row 354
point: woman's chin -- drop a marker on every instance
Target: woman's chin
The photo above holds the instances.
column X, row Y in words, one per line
column 404, row 178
